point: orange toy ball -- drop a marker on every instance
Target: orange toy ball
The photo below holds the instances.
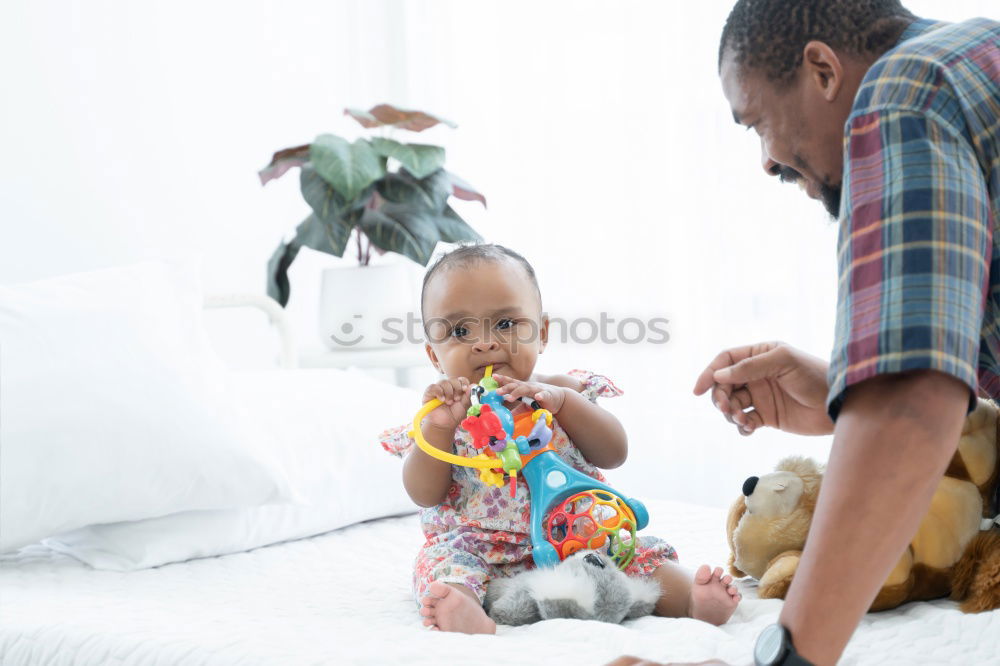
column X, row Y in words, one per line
column 592, row 520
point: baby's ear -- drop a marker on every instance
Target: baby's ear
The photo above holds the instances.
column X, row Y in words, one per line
column 432, row 356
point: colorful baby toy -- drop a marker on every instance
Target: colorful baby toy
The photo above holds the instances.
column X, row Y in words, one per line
column 570, row 511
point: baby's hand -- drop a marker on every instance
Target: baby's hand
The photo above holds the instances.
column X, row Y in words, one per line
column 454, row 396
column 549, row 397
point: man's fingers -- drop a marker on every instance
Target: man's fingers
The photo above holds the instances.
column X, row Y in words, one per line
column 730, row 357
column 754, row 368
column 752, row 421
column 740, row 399
column 720, row 398
column 706, row 378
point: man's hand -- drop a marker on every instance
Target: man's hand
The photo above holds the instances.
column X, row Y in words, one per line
column 783, row 388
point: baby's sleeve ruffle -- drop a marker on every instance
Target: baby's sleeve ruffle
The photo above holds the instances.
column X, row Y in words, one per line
column 596, row 386
column 397, row 441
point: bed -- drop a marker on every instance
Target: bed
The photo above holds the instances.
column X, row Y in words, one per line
column 172, row 512
column 312, row 601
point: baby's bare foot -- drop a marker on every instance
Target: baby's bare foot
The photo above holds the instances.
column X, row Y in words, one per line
column 448, row 609
column 713, row 596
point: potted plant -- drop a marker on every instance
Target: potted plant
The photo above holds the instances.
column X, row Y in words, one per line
column 386, row 195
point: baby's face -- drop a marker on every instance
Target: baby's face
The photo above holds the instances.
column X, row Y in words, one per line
column 484, row 314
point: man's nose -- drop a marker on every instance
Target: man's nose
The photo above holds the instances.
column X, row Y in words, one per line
column 770, row 166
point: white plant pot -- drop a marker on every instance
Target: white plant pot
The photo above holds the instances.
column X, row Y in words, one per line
column 366, row 307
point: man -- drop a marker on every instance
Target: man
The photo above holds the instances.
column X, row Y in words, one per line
column 893, row 122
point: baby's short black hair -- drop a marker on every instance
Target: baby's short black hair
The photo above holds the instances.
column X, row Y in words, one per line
column 769, row 35
column 467, row 255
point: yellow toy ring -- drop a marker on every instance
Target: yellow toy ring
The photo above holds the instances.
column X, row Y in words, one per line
column 426, row 447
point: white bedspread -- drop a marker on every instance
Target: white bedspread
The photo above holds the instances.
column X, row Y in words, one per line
column 344, row 598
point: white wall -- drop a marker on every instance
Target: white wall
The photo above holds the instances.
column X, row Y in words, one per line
column 597, row 130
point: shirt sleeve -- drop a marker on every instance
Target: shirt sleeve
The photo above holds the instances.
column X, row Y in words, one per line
column 397, row 441
column 596, row 386
column 913, row 252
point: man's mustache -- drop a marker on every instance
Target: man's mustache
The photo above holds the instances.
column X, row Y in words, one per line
column 788, row 174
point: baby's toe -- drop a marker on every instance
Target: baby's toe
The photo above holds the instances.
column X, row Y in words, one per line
column 703, row 575
column 438, row 589
column 717, row 573
column 726, row 580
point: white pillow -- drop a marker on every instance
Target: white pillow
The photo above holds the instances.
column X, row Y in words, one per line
column 113, row 406
column 325, row 423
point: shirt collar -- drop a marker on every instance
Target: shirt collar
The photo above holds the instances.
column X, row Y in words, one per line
column 918, row 28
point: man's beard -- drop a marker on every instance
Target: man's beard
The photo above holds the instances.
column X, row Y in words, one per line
column 828, row 194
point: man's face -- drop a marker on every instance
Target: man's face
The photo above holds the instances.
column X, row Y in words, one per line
column 801, row 132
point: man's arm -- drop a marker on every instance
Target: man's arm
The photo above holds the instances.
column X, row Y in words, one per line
column 892, row 443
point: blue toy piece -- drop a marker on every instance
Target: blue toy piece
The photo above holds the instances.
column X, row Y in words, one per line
column 550, row 481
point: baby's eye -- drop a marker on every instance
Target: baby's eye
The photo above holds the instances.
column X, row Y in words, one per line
column 505, row 324
column 459, row 332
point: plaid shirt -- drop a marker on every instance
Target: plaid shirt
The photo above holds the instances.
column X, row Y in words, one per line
column 919, row 264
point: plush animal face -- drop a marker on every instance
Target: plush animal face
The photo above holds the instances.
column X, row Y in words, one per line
column 586, row 585
column 773, row 515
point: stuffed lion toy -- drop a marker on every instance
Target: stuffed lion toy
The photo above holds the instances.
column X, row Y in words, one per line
column 956, row 550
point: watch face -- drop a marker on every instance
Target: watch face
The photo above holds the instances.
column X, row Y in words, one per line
column 769, row 645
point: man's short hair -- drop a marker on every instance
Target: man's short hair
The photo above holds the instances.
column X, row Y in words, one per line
column 769, row 35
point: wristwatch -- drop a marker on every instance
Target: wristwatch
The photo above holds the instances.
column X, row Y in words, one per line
column 774, row 648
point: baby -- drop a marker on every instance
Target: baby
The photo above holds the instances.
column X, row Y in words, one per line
column 481, row 306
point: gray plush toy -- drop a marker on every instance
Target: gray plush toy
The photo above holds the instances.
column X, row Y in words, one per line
column 586, row 585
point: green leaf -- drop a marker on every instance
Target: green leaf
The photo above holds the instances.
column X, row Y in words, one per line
column 348, row 167
column 419, row 159
column 311, row 233
column 402, row 188
column 277, row 272
column 328, row 207
column 410, row 216
column 403, row 229
column 453, row 229
column 437, row 187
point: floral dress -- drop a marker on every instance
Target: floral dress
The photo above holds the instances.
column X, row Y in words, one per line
column 480, row 531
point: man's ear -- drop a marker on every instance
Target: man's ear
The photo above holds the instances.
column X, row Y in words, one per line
column 823, row 69
column 433, row 357
column 543, row 333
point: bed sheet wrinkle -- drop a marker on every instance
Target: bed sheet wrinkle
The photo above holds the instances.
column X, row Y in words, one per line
column 344, row 598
